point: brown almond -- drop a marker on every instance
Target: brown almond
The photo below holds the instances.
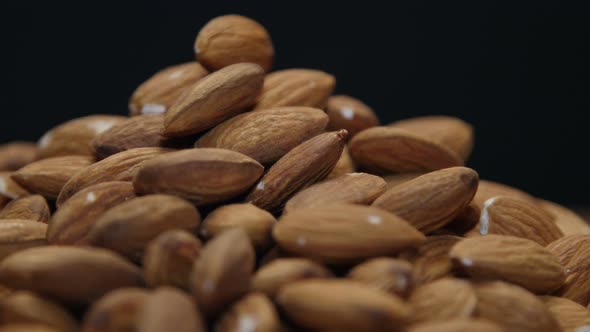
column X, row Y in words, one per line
column 296, row 87
column 4, row 201
column 169, row 259
column 255, row 311
column 573, row 252
column 223, row 271
column 9, row 188
column 17, row 235
column 340, row 305
column 257, row 223
column 26, row 307
column 488, row 189
column 116, row 311
column 306, row 164
column 203, row 176
column 393, row 150
column 391, row 275
column 69, row 274
column 344, row 165
column 349, row 113
column 47, row 177
column 71, row 223
column 344, row 233
column 457, row 325
column 568, row 221
column 74, row 137
column 432, row 200
column 32, row 207
column 520, row 261
column 466, row 220
column 570, row 315
column 169, row 309
column 443, row 300
column 431, row 259
column 394, row 180
column 213, row 99
column 267, row 135
column 157, row 93
column 15, row 155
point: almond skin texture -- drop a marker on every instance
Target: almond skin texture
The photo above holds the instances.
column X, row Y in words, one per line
column 9, row 188
column 74, row 137
column 454, row 133
column 432, row 200
column 569, row 314
column 256, row 222
column 230, row 39
column 115, row 312
column 267, row 135
column 169, row 259
column 393, row 150
column 47, row 177
column 568, row 221
column 169, row 309
column 506, row 215
column 344, row 165
column 32, row 207
column 70, row 274
column 341, row 305
column 15, row 155
column 203, row 176
column 353, row 188
column 296, row 87
column 17, row 235
column 25, row 307
column 519, row 261
column 443, row 300
column 155, row 95
column 388, row 274
column 344, row 233
column 73, row 220
column 128, row 227
column 306, row 164
column 431, row 259
column 213, row 99
column 395, row 180
column 283, row 271
column 573, row 252
column 223, row 271
column 457, row 325
column 351, row 114
column 256, row 309
column 513, row 308
column 488, row 189
column 119, row 167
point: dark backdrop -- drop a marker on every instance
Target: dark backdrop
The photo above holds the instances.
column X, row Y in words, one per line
column 516, row 70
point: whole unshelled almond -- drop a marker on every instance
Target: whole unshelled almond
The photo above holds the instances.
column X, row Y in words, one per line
column 344, row 233
column 70, row 274
column 309, row 162
column 507, row 215
column 573, row 252
column 519, row 261
column 488, row 189
column 432, row 200
column 74, row 137
column 47, row 177
column 570, row 315
column 568, row 221
column 388, row 274
column 168, row 309
column 255, row 309
column 26, row 307
column 15, row 155
column 394, row 150
column 128, row 227
column 156, row 94
column 116, row 311
column 353, row 188
column 71, row 223
column 457, row 325
column 17, row 235
column 256, row 222
column 341, row 305
column 213, row 99
column 230, row 39
column 267, row 135
column 394, row 180
column 32, row 207
column 296, row 87
column 351, row 114
column 203, row 176
column 443, row 300
column 9, row 188
column 344, row 165
column 119, row 167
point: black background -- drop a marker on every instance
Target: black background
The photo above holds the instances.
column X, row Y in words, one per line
column 516, row 70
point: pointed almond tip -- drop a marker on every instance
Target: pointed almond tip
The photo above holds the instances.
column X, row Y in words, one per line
column 342, row 134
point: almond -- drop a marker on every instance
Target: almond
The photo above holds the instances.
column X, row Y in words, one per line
column 223, row 271
column 354, row 188
column 203, row 176
column 394, row 180
column 573, row 252
column 388, row 274
column 520, row 261
column 457, row 325
column 15, row 155
column 119, row 167
column 47, row 177
column 230, row 39
column 392, row 150
column 255, row 311
column 306, row 164
column 73, row 220
column 169, row 309
column 74, row 137
column 26, row 307
column 267, row 135
column 257, row 223
column 116, row 311
column 351, row 114
column 431, row 260
column 344, row 233
column 296, row 87
column 568, row 221
column 69, row 274
column 128, row 227
column 466, row 220
column 443, row 300
column 432, row 200
column 344, row 165
column 506, row 215
column 570, row 315
column 17, row 235
column 341, row 305
column 213, row 99
column 32, row 207
column 156, row 94
column 488, row 189
column 9, row 188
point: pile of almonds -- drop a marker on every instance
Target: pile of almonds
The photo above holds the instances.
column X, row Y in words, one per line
column 233, row 199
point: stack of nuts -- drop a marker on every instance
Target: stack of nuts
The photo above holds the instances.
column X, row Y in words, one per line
column 234, row 199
